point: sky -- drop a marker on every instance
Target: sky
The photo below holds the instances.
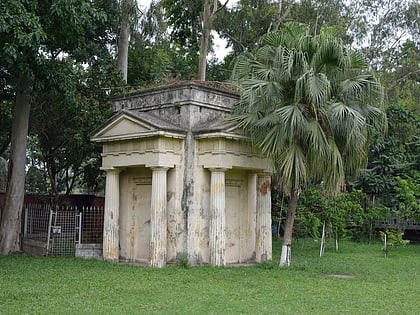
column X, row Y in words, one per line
column 219, row 44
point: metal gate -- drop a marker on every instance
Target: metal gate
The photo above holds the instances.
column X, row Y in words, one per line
column 56, row 230
column 64, row 231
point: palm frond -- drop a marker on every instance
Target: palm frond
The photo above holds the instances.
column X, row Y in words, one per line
column 273, row 141
column 293, row 120
column 316, row 139
column 293, row 167
column 319, row 88
column 334, row 168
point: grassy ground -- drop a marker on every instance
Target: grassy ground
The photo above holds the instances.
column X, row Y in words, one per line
column 374, row 285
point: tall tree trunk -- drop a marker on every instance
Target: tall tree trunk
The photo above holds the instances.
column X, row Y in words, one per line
column 286, row 248
column 204, row 43
column 280, row 17
column 10, row 224
column 122, row 59
column 209, row 13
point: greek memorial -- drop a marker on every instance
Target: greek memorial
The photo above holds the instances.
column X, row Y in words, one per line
column 180, row 180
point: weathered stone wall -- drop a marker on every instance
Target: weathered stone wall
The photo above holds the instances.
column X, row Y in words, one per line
column 33, row 247
column 175, row 96
column 89, row 251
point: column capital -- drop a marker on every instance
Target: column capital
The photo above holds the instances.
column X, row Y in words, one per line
column 159, row 168
column 217, row 169
column 112, row 170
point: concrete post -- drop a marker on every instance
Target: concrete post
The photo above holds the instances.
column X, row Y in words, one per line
column 263, row 250
column 217, row 231
column 158, row 218
column 111, row 216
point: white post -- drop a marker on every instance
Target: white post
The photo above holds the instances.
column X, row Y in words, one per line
column 158, row 219
column 263, row 250
column 25, row 226
column 217, row 228
column 322, row 248
column 385, row 245
column 111, row 237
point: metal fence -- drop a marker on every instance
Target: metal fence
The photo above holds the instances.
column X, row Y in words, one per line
column 62, row 227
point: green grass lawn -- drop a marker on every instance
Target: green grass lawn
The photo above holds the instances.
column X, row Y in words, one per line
column 30, row 285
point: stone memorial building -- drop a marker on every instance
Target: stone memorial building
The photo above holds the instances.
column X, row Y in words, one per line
column 179, row 180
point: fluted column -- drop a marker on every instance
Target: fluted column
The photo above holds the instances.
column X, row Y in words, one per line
column 217, row 231
column 111, row 216
column 263, row 248
column 158, row 218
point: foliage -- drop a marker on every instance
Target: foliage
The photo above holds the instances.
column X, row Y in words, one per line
column 392, row 175
column 392, row 238
column 381, row 27
column 323, row 13
column 185, row 19
column 70, row 64
column 312, row 204
column 76, row 104
column 154, row 58
column 403, row 77
column 182, row 260
column 345, row 214
column 243, row 37
column 407, row 199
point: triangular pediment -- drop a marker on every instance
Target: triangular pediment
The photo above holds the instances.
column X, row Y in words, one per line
column 123, row 126
column 130, row 125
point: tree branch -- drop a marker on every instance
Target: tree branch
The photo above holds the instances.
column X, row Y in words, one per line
column 403, row 78
column 280, row 18
column 221, row 8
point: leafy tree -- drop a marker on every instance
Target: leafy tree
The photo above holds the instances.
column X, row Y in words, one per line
column 33, row 35
column 153, row 58
column 381, row 27
column 407, row 199
column 262, row 16
column 389, row 32
column 243, row 24
column 21, row 39
column 75, row 104
column 308, row 103
column 184, row 17
column 402, row 81
column 394, row 155
column 311, row 205
column 210, row 9
column 323, row 13
column 192, row 22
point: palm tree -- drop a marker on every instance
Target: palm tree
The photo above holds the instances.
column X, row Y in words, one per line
column 308, row 102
